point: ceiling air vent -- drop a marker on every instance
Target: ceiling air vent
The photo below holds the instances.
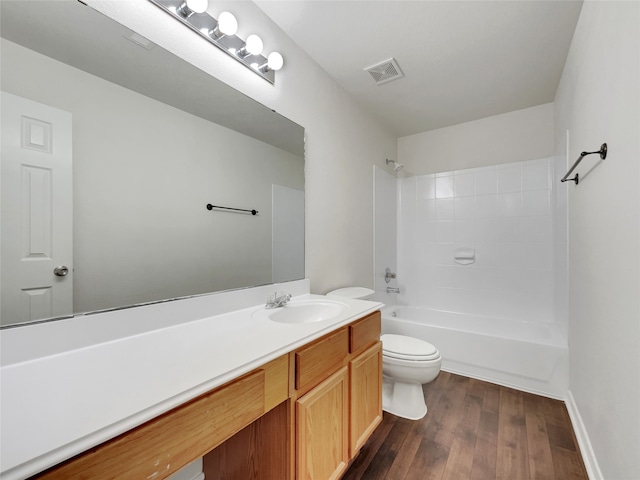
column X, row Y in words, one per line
column 385, row 71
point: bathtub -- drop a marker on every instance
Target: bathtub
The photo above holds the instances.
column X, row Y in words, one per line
column 525, row 355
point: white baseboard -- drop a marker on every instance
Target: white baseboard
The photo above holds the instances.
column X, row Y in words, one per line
column 544, row 389
column 199, row 476
column 588, row 456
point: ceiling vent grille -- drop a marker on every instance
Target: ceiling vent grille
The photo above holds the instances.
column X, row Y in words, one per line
column 385, row 71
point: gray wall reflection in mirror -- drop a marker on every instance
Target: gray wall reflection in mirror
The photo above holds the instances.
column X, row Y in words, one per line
column 154, row 140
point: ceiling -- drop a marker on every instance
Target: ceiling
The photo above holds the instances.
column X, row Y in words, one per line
column 462, row 60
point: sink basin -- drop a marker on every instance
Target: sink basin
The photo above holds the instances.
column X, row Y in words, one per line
column 303, row 311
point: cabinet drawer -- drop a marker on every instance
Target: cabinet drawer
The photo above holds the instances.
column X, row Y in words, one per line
column 317, row 361
column 365, row 332
column 163, row 445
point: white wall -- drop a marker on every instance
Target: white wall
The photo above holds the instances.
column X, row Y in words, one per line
column 598, row 101
column 342, row 142
column 385, row 242
column 504, row 213
column 511, row 137
column 131, row 171
column 560, row 199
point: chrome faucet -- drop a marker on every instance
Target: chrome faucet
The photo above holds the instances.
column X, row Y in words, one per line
column 278, row 299
column 388, row 275
column 393, row 290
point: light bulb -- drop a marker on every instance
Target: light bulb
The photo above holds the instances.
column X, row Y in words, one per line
column 275, row 61
column 197, row 6
column 254, row 45
column 227, row 23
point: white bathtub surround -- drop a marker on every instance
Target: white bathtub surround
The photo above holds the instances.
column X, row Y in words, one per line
column 528, row 356
column 59, row 379
column 500, row 219
column 476, row 267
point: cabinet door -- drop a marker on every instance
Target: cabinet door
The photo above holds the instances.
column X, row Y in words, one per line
column 322, row 434
column 366, row 396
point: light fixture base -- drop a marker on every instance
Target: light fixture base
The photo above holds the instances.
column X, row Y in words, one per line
column 202, row 24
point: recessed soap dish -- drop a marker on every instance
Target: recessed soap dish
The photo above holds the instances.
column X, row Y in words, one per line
column 464, row 255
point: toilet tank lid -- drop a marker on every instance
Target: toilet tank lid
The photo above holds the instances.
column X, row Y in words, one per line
column 401, row 344
column 352, row 292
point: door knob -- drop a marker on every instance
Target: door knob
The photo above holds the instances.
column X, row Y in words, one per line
column 61, row 271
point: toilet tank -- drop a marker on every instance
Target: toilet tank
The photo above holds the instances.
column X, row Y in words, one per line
column 359, row 293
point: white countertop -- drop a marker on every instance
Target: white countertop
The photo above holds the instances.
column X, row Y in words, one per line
column 69, row 385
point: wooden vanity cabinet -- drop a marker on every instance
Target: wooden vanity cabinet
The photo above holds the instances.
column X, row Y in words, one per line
column 365, row 414
column 316, row 361
column 365, row 380
column 322, row 407
column 337, row 411
column 322, row 429
column 301, row 416
column 161, row 446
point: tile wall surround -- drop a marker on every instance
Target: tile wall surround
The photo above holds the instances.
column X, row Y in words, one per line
column 504, row 212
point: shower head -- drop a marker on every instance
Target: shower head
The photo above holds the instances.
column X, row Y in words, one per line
column 396, row 166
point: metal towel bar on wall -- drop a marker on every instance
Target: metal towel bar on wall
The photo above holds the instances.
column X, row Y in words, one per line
column 603, row 155
column 211, row 207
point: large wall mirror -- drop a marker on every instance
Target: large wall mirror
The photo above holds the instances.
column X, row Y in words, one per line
column 111, row 150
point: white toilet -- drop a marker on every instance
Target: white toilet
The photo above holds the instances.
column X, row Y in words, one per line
column 358, row 293
column 407, row 363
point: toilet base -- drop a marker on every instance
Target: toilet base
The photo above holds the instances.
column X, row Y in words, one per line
column 404, row 400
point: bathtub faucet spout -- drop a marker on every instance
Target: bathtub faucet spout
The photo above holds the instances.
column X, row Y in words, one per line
column 393, row 290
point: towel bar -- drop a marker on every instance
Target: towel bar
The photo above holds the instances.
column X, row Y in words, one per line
column 603, row 155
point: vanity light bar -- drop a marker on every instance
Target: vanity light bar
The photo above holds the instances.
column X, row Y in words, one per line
column 219, row 33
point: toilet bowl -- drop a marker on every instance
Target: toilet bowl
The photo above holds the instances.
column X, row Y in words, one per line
column 407, row 364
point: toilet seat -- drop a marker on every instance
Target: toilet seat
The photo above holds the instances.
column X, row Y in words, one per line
column 402, row 347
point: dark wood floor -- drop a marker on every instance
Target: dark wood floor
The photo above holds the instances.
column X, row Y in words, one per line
column 474, row 430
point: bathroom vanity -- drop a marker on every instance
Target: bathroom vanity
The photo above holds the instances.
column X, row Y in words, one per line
column 282, row 400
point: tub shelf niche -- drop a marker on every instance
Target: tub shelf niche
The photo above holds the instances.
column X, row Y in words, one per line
column 464, row 255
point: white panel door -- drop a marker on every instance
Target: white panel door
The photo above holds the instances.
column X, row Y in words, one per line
column 37, row 211
column 288, row 234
